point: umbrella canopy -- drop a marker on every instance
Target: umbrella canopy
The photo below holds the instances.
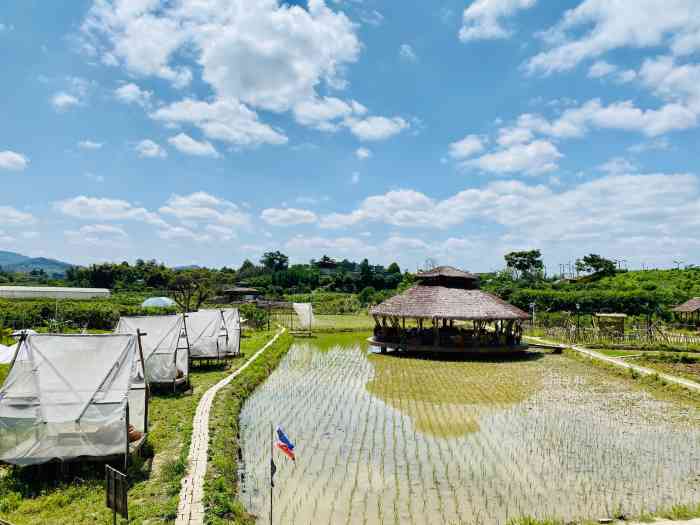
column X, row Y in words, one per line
column 158, row 302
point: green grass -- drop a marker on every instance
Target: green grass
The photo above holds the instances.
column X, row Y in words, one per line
column 4, row 369
column 343, row 323
column 221, row 484
column 153, row 496
column 616, row 353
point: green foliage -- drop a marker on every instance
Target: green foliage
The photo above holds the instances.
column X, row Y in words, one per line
column 274, row 261
column 593, row 263
column 4, row 369
column 329, row 302
column 255, row 317
column 525, row 263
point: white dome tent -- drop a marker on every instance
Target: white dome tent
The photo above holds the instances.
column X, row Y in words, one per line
column 305, row 313
column 6, row 354
column 213, row 334
column 165, row 347
column 73, row 397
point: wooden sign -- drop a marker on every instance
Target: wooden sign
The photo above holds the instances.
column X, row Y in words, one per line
column 117, row 491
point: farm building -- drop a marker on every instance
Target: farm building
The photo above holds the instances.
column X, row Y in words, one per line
column 51, row 292
column 689, row 310
column 237, row 294
column 73, row 397
column 451, row 314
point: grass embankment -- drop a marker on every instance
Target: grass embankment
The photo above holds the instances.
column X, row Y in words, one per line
column 153, row 496
column 221, row 483
column 360, row 322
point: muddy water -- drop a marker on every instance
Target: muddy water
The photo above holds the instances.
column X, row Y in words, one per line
column 387, row 439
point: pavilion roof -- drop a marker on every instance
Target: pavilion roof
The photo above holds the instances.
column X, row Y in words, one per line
column 427, row 302
column 692, row 305
column 446, row 271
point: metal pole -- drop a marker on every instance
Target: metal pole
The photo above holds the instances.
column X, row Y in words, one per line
column 272, row 439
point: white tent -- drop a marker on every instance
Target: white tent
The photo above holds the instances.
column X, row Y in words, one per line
column 306, row 315
column 6, row 354
column 165, row 347
column 73, row 397
column 213, row 334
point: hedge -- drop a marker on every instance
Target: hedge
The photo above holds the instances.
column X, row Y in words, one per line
column 591, row 301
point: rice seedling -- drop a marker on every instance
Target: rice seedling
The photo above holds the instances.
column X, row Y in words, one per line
column 396, row 439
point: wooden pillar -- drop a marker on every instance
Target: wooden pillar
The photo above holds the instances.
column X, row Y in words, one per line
column 436, row 336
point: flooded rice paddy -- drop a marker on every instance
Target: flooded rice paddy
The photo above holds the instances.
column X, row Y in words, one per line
column 389, row 439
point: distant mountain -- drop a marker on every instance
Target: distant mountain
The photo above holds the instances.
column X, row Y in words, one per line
column 16, row 262
column 188, row 267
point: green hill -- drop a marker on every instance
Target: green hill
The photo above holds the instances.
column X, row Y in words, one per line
column 16, row 262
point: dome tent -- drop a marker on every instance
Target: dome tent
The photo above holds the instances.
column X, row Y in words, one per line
column 73, row 397
column 6, row 354
column 158, row 302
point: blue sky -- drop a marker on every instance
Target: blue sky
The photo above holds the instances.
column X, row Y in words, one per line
column 210, row 131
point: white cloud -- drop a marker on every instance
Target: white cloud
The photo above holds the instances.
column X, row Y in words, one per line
column 333, row 246
column 202, row 206
column 483, row 19
column 262, row 53
column 618, row 166
column 288, row 216
column 89, row 144
column 321, row 112
column 407, row 53
column 181, row 233
column 600, row 69
column 604, row 210
column 535, row 158
column 613, row 25
column 467, row 147
column 660, row 144
column 132, row 94
column 225, row 120
column 13, row 216
column 104, row 209
column 63, row 101
column 363, row 153
column 13, row 161
column 376, row 128
column 189, row 146
column 148, row 148
column 674, row 83
column 97, row 235
column 514, row 135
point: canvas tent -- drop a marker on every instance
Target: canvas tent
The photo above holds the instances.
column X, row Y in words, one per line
column 165, row 346
column 70, row 397
column 6, row 354
column 214, row 334
column 305, row 313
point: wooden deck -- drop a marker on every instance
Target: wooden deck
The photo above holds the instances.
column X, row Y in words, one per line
column 476, row 350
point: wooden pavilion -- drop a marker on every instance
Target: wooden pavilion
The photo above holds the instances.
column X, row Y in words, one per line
column 689, row 311
column 447, row 312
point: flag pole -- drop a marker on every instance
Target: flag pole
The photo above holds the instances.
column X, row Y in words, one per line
column 272, row 440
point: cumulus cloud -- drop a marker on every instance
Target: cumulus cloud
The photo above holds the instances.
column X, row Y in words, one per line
column 659, row 207
column 225, row 120
column 618, row 166
column 613, row 25
column 600, row 69
column 97, row 235
column 149, row 149
column 288, row 216
column 186, row 144
column 483, row 19
column 407, row 53
column 376, row 128
column 535, row 158
column 467, row 147
column 202, row 206
column 105, row 209
column 363, row 153
column 13, row 161
column 323, row 113
column 63, row 101
column 13, row 216
column 132, row 94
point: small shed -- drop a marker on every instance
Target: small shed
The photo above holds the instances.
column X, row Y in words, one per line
column 51, row 292
column 73, row 397
column 239, row 294
column 610, row 324
column 689, row 311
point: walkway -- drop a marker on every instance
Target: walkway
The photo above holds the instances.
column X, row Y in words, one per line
column 191, row 508
column 642, row 370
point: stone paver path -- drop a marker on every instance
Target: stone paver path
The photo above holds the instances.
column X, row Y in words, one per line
column 191, row 508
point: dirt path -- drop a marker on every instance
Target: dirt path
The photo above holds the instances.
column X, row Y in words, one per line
column 191, row 508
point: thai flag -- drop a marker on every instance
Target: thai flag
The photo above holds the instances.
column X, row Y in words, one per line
column 285, row 444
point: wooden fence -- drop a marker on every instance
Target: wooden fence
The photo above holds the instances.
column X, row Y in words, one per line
column 636, row 337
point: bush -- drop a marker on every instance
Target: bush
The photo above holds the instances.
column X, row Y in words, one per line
column 255, row 317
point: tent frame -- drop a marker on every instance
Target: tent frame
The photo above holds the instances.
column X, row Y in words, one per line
column 219, row 358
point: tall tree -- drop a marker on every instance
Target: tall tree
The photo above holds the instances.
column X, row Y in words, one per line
column 596, row 264
column 275, row 261
column 191, row 288
column 524, row 263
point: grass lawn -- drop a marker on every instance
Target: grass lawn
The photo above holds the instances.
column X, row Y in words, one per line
column 617, row 353
column 4, row 369
column 338, row 323
column 153, row 496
